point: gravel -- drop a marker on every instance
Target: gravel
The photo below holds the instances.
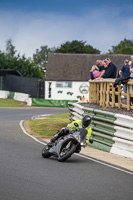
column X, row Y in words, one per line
column 122, row 111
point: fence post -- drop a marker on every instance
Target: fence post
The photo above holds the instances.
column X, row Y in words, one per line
column 107, row 94
column 113, row 96
column 90, row 92
column 101, row 94
column 104, row 94
column 101, row 90
column 119, row 97
column 128, row 98
column 98, row 85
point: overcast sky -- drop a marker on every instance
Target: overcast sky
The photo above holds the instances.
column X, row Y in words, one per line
column 34, row 23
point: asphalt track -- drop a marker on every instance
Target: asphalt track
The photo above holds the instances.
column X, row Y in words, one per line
column 25, row 175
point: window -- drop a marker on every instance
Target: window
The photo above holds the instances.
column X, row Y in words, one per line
column 62, row 84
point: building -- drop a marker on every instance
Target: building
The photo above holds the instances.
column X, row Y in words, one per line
column 67, row 75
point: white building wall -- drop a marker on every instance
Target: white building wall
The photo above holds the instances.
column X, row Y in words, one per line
column 64, row 93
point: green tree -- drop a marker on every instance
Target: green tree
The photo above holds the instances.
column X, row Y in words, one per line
column 76, row 47
column 124, row 47
column 26, row 67
column 10, row 49
column 41, row 57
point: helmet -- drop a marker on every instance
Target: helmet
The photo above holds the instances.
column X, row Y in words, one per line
column 86, row 121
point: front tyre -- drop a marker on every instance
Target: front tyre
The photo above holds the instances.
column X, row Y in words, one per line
column 45, row 152
column 65, row 153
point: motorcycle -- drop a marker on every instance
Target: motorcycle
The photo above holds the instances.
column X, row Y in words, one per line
column 66, row 145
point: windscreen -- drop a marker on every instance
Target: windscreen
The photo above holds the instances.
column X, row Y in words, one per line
column 83, row 133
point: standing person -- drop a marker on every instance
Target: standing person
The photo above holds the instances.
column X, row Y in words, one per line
column 110, row 72
column 103, row 67
column 83, row 98
column 131, row 65
column 131, row 87
column 132, row 59
column 125, row 69
column 111, row 69
column 100, row 65
column 97, row 63
column 94, row 72
column 125, row 73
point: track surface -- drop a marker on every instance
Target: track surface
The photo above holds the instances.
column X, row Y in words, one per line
column 25, row 175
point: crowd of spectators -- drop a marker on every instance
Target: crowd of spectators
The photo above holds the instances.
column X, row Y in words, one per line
column 106, row 69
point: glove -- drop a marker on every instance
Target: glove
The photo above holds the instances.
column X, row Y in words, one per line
column 65, row 131
column 91, row 140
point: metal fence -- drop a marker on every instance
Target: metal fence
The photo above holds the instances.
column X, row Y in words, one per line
column 32, row 86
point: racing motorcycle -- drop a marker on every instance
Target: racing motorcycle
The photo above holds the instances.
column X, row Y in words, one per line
column 66, row 145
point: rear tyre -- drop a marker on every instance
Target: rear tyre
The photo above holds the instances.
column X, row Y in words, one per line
column 66, row 152
column 45, row 152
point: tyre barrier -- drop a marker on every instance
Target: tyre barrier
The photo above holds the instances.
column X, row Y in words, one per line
column 34, row 101
column 14, row 95
column 110, row 132
column 4, row 94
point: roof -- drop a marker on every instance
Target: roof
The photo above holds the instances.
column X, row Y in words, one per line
column 76, row 67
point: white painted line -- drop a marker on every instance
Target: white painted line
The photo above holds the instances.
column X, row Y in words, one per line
column 108, row 165
column 80, row 155
column 25, row 132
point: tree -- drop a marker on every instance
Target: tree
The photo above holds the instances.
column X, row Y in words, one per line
column 77, row 47
column 8, row 60
column 124, row 47
column 10, row 49
column 26, row 67
column 41, row 57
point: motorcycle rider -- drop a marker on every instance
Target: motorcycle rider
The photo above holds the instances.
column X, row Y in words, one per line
column 84, row 123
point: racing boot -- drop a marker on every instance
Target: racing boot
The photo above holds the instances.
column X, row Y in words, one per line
column 56, row 136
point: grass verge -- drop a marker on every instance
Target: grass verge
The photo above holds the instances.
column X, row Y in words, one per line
column 11, row 103
column 50, row 125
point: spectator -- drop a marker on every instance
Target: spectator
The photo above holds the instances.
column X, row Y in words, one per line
column 131, row 87
column 94, row 72
column 132, row 59
column 111, row 70
column 99, row 64
column 125, row 69
column 83, row 98
column 130, row 63
column 104, row 66
column 125, row 73
column 131, row 68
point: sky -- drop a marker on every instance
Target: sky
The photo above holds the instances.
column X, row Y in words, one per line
column 35, row 23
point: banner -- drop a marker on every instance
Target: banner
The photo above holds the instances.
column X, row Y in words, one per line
column 51, row 103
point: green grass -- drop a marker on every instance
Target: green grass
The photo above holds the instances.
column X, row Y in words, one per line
column 11, row 103
column 50, row 125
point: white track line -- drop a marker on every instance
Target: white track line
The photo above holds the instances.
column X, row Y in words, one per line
column 80, row 155
column 108, row 165
column 25, row 132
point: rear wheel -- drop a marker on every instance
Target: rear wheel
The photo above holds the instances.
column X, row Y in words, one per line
column 66, row 152
column 45, row 152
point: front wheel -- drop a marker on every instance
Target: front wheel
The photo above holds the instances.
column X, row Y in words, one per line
column 45, row 152
column 66, row 152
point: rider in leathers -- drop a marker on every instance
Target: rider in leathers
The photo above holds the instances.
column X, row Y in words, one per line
column 84, row 123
